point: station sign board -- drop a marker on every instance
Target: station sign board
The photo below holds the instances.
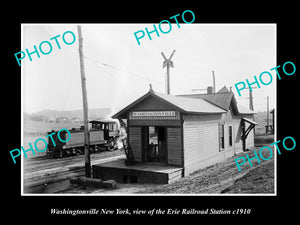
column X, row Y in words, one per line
column 154, row 115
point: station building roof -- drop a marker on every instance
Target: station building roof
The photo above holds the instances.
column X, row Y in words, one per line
column 182, row 104
column 214, row 103
column 224, row 99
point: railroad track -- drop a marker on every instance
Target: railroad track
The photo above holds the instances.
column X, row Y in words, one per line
column 56, row 179
column 44, row 162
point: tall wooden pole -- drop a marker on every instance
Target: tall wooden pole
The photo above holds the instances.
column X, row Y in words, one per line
column 268, row 125
column 85, row 110
column 250, row 101
column 214, row 82
column 168, row 80
column 251, row 107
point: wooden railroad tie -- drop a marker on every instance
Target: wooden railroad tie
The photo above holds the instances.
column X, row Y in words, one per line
column 97, row 183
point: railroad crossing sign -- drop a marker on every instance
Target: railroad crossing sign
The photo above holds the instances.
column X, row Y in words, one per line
column 168, row 62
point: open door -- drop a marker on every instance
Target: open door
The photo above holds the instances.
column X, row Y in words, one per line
column 145, row 143
column 162, row 144
column 154, row 144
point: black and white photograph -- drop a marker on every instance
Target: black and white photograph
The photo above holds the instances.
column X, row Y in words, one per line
column 144, row 109
column 137, row 113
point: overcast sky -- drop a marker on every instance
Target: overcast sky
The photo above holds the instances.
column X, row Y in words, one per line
column 118, row 70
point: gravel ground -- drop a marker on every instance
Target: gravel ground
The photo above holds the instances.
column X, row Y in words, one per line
column 224, row 177
column 220, row 178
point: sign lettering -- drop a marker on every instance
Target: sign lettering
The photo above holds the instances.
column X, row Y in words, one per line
column 154, row 115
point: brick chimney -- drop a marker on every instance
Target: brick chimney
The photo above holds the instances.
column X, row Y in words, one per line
column 209, row 90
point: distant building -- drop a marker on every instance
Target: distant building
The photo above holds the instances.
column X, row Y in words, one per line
column 62, row 119
column 52, row 119
column 75, row 120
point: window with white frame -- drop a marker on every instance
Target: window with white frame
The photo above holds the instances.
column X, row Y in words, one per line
column 230, row 135
column 221, row 137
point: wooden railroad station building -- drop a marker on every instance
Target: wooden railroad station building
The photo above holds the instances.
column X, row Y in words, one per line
column 187, row 132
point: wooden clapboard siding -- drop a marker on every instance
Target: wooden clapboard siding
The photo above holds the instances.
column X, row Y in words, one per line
column 135, row 134
column 238, row 133
column 200, row 142
column 237, row 136
column 229, row 150
column 174, row 146
column 202, row 119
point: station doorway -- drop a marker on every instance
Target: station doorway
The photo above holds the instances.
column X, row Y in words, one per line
column 154, row 141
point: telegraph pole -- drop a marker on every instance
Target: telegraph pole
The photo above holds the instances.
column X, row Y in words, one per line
column 267, row 127
column 168, row 80
column 85, row 109
column 251, row 98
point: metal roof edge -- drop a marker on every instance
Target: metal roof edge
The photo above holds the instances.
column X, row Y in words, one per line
column 250, row 121
column 185, row 111
column 226, row 110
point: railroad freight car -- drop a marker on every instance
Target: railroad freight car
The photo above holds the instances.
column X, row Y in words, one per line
column 103, row 135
